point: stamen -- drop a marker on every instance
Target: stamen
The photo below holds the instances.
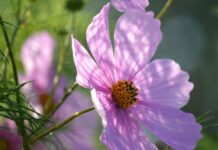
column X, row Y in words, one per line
column 124, row 93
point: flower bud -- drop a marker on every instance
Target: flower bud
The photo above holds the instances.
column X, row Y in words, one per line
column 74, row 5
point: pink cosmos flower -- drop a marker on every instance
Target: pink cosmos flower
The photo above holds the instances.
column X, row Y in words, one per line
column 130, row 91
column 125, row 5
column 37, row 57
column 10, row 140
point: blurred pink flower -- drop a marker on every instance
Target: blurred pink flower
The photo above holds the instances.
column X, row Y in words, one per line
column 37, row 57
column 10, row 140
column 129, row 90
column 125, row 5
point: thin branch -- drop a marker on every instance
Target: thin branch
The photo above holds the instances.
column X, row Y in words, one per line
column 60, row 64
column 164, row 9
column 10, row 51
column 167, row 147
column 63, row 99
column 19, row 21
column 58, row 126
column 204, row 115
column 21, row 127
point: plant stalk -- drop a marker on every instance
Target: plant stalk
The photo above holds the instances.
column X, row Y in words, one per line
column 20, row 123
column 63, row 99
column 164, row 9
column 58, row 126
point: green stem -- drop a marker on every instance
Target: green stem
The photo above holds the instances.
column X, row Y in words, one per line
column 10, row 51
column 58, row 126
column 60, row 65
column 66, row 95
column 167, row 147
column 15, row 31
column 55, row 82
column 203, row 116
column 17, row 15
column 17, row 26
column 21, row 122
column 11, row 43
column 164, row 9
column 18, row 9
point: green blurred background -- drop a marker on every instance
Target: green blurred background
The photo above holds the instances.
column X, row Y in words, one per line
column 190, row 36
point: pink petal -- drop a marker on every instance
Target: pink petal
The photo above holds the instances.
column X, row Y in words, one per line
column 163, row 82
column 103, row 104
column 88, row 73
column 28, row 87
column 120, row 130
column 37, row 55
column 31, row 92
column 137, row 35
column 174, row 127
column 126, row 5
column 98, row 39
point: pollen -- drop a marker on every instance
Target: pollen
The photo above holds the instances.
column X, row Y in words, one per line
column 124, row 93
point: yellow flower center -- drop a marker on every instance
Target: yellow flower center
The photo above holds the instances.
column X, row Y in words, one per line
column 4, row 145
column 124, row 93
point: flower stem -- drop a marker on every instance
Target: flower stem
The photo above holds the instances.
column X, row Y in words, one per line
column 19, row 21
column 58, row 126
column 167, row 147
column 20, row 122
column 67, row 93
column 60, row 65
column 164, row 9
column 10, row 51
column 18, row 9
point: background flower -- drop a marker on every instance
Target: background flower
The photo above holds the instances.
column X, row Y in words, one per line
column 37, row 55
column 10, row 140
